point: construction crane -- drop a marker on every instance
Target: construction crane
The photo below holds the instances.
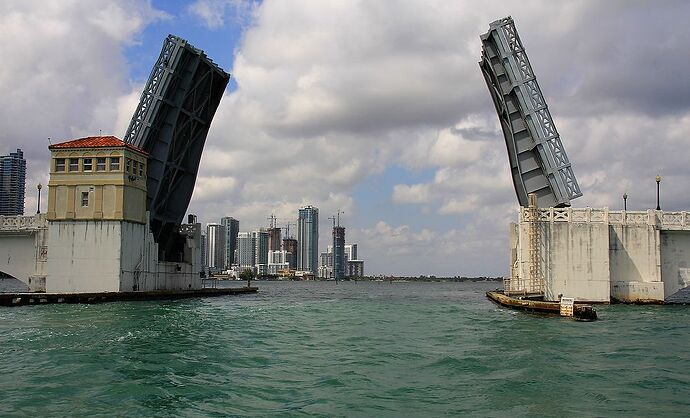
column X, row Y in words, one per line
column 336, row 220
column 287, row 228
column 273, row 221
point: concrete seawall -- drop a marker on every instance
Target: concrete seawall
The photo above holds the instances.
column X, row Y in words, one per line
column 20, row 299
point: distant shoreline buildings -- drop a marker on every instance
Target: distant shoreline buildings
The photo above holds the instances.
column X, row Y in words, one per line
column 227, row 251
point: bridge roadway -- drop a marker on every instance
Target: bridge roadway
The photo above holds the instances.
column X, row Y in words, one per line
column 23, row 246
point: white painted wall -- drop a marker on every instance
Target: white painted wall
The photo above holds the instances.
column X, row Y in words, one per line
column 23, row 248
column 141, row 269
column 83, row 256
column 18, row 255
column 575, row 260
column 634, row 253
column 675, row 265
column 115, row 256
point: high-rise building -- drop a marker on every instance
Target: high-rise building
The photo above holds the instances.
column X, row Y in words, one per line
column 308, row 239
column 204, row 251
column 290, row 245
column 245, row 250
column 274, row 239
column 215, row 238
column 232, row 228
column 339, row 263
column 326, row 264
column 12, row 183
column 353, row 266
column 351, row 252
column 260, row 246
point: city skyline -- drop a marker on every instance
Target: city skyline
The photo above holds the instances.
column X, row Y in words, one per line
column 395, row 128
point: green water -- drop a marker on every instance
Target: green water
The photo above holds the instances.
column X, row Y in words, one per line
column 326, row 349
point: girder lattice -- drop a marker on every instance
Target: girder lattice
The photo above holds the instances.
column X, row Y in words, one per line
column 171, row 123
column 537, row 158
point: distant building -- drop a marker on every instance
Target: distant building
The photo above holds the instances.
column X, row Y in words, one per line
column 353, row 267
column 232, row 228
column 308, row 239
column 326, row 264
column 260, row 246
column 339, row 262
column 274, row 241
column 252, row 251
column 290, row 246
column 277, row 262
column 351, row 251
column 204, row 251
column 245, row 250
column 215, row 237
column 12, row 183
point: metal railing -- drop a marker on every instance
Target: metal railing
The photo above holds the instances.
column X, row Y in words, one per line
column 520, row 286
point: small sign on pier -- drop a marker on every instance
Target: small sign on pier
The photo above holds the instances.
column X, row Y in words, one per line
column 567, row 306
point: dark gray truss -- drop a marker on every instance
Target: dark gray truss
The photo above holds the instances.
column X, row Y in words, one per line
column 538, row 160
column 171, row 123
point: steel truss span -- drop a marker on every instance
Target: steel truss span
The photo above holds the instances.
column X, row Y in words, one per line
column 538, row 161
column 171, row 123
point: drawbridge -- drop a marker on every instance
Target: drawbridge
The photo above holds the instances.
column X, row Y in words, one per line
column 171, row 123
column 538, row 161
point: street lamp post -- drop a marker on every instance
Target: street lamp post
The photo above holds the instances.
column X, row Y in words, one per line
column 658, row 180
column 38, row 207
column 625, row 201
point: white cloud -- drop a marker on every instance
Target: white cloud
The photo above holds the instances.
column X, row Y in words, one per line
column 213, row 12
column 331, row 95
column 64, row 74
column 416, row 193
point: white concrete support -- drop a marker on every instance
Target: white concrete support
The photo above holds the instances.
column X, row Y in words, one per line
column 23, row 249
column 116, row 256
column 675, row 265
column 595, row 254
column 84, row 256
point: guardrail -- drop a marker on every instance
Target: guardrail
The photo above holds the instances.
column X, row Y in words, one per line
column 23, row 223
column 520, row 286
column 664, row 220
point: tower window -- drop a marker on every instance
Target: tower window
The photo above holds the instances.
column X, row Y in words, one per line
column 59, row 164
column 100, row 164
column 114, row 163
column 87, row 164
column 84, row 199
column 74, row 164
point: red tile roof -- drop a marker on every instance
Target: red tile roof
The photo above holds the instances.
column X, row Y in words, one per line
column 96, row 142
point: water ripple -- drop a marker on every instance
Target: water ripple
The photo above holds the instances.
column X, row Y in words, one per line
column 321, row 349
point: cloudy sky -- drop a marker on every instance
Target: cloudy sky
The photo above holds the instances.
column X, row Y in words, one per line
column 375, row 108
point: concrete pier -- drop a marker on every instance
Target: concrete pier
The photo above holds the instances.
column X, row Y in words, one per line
column 20, row 299
column 598, row 255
